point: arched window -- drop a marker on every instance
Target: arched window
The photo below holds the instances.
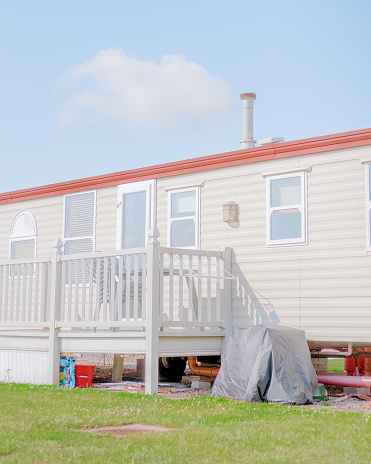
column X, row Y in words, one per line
column 22, row 238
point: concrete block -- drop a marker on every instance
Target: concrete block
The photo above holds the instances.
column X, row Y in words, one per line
column 320, row 364
column 186, row 380
column 357, row 390
column 200, row 384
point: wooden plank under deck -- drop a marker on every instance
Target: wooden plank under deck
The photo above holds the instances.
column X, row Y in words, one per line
column 37, row 340
column 187, row 343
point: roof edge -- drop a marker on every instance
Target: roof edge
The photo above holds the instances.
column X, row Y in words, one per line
column 279, row 150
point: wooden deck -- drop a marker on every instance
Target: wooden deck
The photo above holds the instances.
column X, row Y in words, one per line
column 154, row 301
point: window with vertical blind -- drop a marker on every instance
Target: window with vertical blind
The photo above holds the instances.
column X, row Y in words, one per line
column 22, row 237
column 79, row 222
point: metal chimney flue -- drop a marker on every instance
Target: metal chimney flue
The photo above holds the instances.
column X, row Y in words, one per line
column 248, row 120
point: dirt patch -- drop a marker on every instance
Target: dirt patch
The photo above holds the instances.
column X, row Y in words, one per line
column 128, row 429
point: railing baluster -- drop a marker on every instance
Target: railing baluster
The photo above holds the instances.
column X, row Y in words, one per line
column 199, row 284
column 144, row 286
column 105, row 287
column 112, row 309
column 6, row 292
column 99, row 284
column 127, row 287
column 181, row 287
column 63, row 290
column 171, row 287
column 30, row 287
column 190, row 288
column 24, row 276
column 218, row 289
column 136, row 283
column 161, row 309
column 208, row 288
column 69, row 294
column 91, row 269
column 77, row 287
column 36, row 302
column 44, row 291
column 83, row 289
column 17, row 292
column 11, row 303
column 120, row 288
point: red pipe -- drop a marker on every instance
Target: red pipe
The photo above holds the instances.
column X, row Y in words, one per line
column 345, row 380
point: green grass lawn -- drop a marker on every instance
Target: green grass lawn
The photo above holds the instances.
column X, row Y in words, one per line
column 335, row 365
column 44, row 425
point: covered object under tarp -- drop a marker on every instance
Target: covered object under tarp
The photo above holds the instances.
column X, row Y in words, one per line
column 267, row 363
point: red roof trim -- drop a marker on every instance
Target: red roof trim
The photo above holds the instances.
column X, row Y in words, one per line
column 234, row 158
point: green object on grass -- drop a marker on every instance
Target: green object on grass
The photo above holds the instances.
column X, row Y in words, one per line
column 321, row 393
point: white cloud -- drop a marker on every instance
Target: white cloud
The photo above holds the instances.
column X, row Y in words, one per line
column 144, row 94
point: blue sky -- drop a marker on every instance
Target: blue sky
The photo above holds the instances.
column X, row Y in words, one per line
column 90, row 87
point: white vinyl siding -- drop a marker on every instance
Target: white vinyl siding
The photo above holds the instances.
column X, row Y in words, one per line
column 286, row 209
column 368, row 207
column 79, row 223
column 22, row 238
column 184, row 221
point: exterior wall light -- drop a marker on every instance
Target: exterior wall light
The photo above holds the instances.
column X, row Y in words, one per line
column 230, row 212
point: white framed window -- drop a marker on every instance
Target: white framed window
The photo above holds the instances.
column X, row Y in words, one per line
column 79, row 222
column 22, row 237
column 368, row 206
column 136, row 213
column 287, row 209
column 184, row 218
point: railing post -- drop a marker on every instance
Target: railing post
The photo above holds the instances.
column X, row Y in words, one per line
column 153, row 306
column 227, row 299
column 54, row 312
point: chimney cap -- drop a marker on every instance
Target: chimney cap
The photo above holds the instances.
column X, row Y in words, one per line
column 245, row 96
column 269, row 140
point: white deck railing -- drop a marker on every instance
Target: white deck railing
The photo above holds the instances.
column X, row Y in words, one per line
column 103, row 289
column 191, row 287
column 156, row 292
column 110, row 288
column 116, row 289
column 24, row 288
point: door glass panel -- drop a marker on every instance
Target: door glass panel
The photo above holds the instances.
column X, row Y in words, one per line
column 285, row 192
column 286, row 224
column 182, row 233
column 183, row 204
column 134, row 220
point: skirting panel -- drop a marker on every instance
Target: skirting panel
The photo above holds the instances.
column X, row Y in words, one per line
column 108, row 345
column 24, row 366
column 189, row 346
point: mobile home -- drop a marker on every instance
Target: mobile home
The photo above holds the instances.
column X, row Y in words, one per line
column 166, row 260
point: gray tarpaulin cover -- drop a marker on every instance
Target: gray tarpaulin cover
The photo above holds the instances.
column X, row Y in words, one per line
column 267, row 363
